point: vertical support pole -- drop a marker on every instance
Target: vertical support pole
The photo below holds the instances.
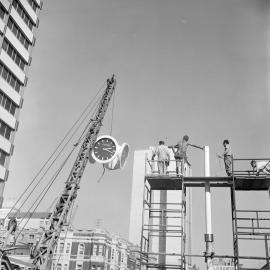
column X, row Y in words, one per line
column 162, row 228
column 208, row 216
column 267, row 251
column 234, row 222
column 142, row 251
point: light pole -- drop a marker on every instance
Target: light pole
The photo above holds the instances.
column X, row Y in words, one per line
column 208, row 217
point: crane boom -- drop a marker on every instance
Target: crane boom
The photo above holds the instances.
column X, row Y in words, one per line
column 42, row 254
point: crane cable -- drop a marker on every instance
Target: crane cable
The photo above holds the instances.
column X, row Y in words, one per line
column 112, row 113
column 39, row 199
column 53, row 153
column 111, row 129
column 46, row 190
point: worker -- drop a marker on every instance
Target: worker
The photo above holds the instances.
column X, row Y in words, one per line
column 227, row 157
column 163, row 157
column 180, row 153
column 260, row 166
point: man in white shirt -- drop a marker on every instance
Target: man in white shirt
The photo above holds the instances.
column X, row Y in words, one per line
column 163, row 157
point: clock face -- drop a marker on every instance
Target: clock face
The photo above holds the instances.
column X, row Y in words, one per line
column 105, row 149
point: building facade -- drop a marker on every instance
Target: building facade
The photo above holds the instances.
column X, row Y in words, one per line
column 18, row 23
column 93, row 250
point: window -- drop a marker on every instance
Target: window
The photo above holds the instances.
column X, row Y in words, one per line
column 31, row 237
column 94, row 250
column 5, row 130
column 32, row 4
column 66, row 266
column 79, row 266
column 61, row 247
column 100, row 249
column 2, row 12
column 81, row 249
column 59, row 266
column 112, row 254
column 9, row 77
column 23, row 14
column 68, row 248
column 13, row 54
column 18, row 33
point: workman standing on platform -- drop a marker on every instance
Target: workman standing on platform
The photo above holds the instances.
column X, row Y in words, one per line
column 180, row 153
column 227, row 156
column 163, row 155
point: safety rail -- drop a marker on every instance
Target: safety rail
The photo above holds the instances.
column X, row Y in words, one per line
column 251, row 167
column 253, row 224
column 151, row 168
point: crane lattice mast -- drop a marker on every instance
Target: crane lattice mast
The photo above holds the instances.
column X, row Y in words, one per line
column 42, row 254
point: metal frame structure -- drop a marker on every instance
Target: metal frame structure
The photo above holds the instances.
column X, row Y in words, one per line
column 246, row 224
column 251, row 225
column 162, row 212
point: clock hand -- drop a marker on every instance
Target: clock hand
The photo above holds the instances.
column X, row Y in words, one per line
column 107, row 150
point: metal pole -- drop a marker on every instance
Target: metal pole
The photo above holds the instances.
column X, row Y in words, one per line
column 209, row 235
column 267, row 251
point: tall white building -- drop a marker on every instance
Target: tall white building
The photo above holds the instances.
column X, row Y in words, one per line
column 18, row 22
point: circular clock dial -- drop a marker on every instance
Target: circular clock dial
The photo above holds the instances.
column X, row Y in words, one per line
column 104, row 149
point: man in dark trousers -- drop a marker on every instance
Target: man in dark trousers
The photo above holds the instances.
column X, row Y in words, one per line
column 227, row 157
column 180, row 153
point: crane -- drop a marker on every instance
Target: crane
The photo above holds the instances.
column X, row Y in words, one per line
column 43, row 251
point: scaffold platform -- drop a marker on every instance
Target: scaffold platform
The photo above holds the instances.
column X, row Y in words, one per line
column 166, row 182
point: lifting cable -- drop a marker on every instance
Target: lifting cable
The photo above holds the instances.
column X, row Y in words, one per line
column 87, row 108
column 45, row 191
column 112, row 112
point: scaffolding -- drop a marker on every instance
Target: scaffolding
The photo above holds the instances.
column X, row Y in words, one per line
column 163, row 220
column 247, row 225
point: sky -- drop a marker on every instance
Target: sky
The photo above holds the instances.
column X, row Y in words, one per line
column 196, row 67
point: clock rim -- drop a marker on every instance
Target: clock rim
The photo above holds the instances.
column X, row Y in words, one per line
column 114, row 155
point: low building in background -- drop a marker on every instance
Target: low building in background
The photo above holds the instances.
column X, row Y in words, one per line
column 223, row 264
column 94, row 249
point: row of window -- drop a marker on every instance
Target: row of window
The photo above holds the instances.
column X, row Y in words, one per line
column 23, row 14
column 9, row 77
column 79, row 266
column 7, row 103
column 5, row 130
column 3, row 156
column 13, row 54
column 97, row 250
column 18, row 33
column 33, row 4
column 59, row 267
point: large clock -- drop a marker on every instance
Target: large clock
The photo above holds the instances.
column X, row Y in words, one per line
column 104, row 149
column 120, row 160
